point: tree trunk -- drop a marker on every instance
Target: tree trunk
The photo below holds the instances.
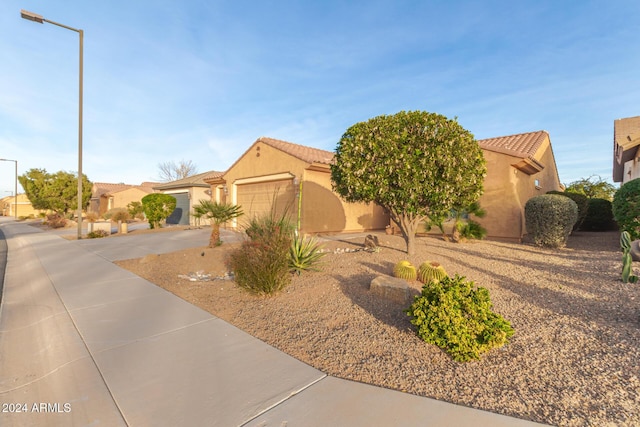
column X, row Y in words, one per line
column 408, row 226
column 214, row 240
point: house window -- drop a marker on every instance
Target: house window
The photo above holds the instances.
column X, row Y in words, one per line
column 537, row 184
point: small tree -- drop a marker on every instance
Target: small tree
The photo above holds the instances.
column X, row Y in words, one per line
column 136, row 210
column 592, row 187
column 413, row 163
column 218, row 214
column 172, row 171
column 157, row 207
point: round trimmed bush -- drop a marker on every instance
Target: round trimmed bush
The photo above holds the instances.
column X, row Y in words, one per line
column 626, row 208
column 599, row 216
column 550, row 219
column 581, row 200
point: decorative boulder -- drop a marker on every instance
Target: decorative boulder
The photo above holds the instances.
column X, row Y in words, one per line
column 635, row 250
column 371, row 242
column 391, row 288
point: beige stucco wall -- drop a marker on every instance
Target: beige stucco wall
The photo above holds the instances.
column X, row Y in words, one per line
column 324, row 211
column 122, row 198
column 262, row 160
column 507, row 189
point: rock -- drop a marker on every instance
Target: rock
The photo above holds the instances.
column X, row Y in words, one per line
column 391, row 288
column 371, row 242
column 635, row 250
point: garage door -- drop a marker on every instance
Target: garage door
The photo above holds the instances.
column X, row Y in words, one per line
column 181, row 213
column 257, row 199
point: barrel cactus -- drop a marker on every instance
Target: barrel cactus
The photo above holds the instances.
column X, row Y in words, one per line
column 405, row 270
column 431, row 272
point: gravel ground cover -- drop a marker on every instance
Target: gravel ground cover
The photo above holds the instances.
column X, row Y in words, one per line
column 574, row 359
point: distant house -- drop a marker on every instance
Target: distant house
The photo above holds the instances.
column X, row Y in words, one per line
column 626, row 149
column 518, row 167
column 297, row 180
column 24, row 207
column 188, row 192
column 106, row 196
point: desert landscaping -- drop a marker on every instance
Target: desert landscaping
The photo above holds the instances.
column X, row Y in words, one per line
column 574, row 359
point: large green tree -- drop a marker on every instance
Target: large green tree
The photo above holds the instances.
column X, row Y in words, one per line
column 57, row 192
column 414, row 164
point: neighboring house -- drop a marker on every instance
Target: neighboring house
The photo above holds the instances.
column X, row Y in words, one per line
column 106, row 196
column 519, row 167
column 188, row 192
column 297, row 180
column 626, row 149
column 25, row 209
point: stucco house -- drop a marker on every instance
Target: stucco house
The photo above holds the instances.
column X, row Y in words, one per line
column 626, row 149
column 519, row 167
column 105, row 196
column 297, row 180
column 188, row 192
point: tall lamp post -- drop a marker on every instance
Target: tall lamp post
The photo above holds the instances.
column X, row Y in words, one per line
column 15, row 190
column 37, row 18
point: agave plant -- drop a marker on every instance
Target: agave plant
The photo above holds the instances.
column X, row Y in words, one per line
column 305, row 254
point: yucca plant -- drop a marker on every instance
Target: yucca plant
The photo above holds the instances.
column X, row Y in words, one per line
column 217, row 213
column 304, row 254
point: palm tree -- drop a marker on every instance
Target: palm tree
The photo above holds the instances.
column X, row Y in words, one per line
column 217, row 213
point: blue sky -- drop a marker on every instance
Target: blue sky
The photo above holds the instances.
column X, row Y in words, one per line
column 201, row 80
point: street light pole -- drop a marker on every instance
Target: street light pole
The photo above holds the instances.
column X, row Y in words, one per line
column 38, row 18
column 15, row 189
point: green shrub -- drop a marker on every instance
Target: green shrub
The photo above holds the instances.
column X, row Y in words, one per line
column 157, row 207
column 626, row 208
column 471, row 229
column 599, row 216
column 304, row 254
column 582, row 202
column 136, row 210
column 404, row 270
column 97, row 234
column 117, row 214
column 56, row 221
column 261, row 264
column 457, row 317
column 550, row 219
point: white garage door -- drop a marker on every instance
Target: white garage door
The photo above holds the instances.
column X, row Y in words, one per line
column 258, row 199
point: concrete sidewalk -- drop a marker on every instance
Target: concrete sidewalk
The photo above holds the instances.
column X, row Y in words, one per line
column 83, row 342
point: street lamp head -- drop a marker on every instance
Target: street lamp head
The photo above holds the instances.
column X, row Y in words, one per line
column 31, row 16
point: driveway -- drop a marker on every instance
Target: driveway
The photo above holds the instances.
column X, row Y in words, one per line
column 130, row 246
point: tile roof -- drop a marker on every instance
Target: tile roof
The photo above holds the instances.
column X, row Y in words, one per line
column 105, row 187
column 302, row 152
column 625, row 130
column 190, row 181
column 523, row 145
